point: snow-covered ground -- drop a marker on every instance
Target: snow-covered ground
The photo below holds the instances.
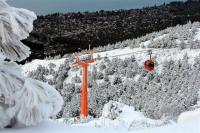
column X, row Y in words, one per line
column 192, row 126
column 118, row 116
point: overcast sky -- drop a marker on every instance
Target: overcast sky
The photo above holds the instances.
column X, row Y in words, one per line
column 52, row 6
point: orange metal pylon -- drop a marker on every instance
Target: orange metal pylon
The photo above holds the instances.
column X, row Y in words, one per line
column 84, row 90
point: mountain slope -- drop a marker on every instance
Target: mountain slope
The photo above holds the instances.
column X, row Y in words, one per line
column 118, row 75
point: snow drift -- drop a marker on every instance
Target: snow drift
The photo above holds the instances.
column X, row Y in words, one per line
column 117, row 115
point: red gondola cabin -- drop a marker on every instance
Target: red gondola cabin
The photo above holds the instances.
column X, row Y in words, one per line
column 149, row 65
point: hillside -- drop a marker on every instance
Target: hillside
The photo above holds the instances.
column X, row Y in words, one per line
column 64, row 33
column 118, row 75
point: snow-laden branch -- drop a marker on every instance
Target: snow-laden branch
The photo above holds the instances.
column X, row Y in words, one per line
column 15, row 25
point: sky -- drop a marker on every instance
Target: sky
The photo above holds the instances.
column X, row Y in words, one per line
column 43, row 7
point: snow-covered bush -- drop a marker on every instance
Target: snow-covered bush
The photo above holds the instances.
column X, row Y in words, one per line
column 99, row 75
column 72, row 109
column 39, row 73
column 111, row 110
column 58, row 77
column 117, row 80
column 106, row 78
column 102, row 66
column 61, row 75
column 24, row 101
column 110, row 70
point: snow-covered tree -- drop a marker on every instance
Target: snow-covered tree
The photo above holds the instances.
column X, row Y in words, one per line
column 39, row 73
column 76, row 79
column 117, row 80
column 61, row 75
column 24, row 101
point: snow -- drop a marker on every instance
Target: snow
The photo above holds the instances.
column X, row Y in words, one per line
column 125, row 118
column 49, row 77
column 51, row 126
column 54, row 127
column 186, row 117
column 15, row 25
column 3, row 117
column 137, row 77
column 34, row 105
column 71, row 74
column 147, row 43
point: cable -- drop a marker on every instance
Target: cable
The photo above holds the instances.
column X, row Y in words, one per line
column 154, row 51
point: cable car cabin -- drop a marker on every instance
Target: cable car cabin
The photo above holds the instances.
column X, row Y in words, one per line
column 85, row 57
column 149, row 65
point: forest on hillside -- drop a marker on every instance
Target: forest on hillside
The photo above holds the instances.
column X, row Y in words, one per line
column 160, row 94
column 57, row 33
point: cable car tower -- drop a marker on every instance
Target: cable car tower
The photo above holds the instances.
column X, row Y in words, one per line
column 83, row 59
